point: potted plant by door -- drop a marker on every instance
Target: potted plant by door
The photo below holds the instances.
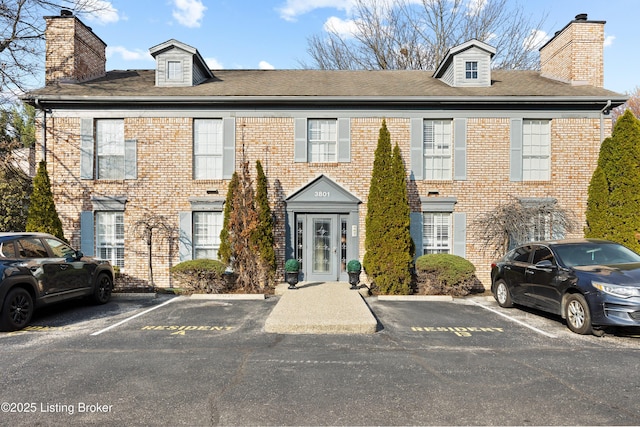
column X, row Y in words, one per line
column 291, row 271
column 353, row 270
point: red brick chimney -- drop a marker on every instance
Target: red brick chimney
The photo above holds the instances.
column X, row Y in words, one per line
column 73, row 52
column 575, row 53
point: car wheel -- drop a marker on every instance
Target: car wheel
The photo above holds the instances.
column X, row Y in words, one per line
column 502, row 295
column 577, row 314
column 16, row 310
column 104, row 286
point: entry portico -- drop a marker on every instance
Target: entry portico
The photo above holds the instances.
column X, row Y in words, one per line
column 322, row 229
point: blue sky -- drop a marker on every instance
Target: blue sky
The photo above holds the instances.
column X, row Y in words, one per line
column 252, row 34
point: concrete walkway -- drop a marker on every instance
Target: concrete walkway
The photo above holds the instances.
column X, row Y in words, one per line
column 320, row 308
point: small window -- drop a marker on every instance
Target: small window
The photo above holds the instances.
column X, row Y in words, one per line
column 436, row 233
column 323, row 140
column 110, row 237
column 8, row 250
column 110, row 149
column 437, row 149
column 207, row 148
column 174, row 70
column 471, row 70
column 206, row 234
column 536, row 148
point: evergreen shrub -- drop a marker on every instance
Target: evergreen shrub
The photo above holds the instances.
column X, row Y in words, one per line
column 292, row 265
column 446, row 274
column 201, row 276
column 354, row 266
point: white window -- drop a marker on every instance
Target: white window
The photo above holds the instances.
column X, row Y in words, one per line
column 536, row 147
column 174, row 70
column 436, row 233
column 206, row 234
column 471, row 70
column 110, row 237
column 322, row 139
column 110, row 147
column 437, row 149
column 207, row 148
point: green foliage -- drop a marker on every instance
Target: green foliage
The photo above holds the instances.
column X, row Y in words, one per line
column 445, row 274
column 17, row 126
column 389, row 249
column 614, row 191
column 353, row 266
column 292, row 265
column 263, row 236
column 225, row 253
column 201, row 275
column 15, row 191
column 43, row 216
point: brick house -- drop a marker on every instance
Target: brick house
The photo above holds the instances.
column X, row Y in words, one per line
column 122, row 146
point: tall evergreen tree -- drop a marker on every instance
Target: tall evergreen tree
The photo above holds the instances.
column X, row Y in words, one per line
column 264, row 232
column 388, row 245
column 43, row 216
column 614, row 192
column 225, row 253
column 243, row 223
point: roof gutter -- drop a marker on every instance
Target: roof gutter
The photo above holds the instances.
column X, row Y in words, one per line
column 604, row 112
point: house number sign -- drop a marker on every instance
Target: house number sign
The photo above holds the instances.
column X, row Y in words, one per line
column 322, row 194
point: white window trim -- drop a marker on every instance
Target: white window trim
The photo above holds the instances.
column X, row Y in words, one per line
column 112, row 241
column 442, row 244
column 210, row 235
column 328, row 143
column 536, row 149
column 206, row 153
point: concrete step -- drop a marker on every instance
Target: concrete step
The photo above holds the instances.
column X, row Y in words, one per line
column 320, row 308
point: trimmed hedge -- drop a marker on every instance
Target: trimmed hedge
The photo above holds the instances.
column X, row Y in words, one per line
column 446, row 274
column 201, row 276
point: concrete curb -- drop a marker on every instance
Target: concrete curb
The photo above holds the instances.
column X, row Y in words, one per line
column 445, row 298
column 227, row 297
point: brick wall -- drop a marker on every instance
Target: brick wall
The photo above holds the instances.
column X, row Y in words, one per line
column 165, row 183
column 73, row 51
column 576, row 54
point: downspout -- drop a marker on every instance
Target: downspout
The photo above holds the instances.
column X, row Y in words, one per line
column 44, row 128
column 602, row 114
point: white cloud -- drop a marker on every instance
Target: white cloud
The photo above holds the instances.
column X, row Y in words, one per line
column 189, row 12
column 264, row 65
column 103, row 12
column 535, row 40
column 608, row 40
column 474, row 7
column 293, row 8
column 345, row 28
column 213, row 64
column 128, row 55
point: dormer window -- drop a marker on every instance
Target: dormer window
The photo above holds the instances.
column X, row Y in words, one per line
column 174, row 70
column 471, row 69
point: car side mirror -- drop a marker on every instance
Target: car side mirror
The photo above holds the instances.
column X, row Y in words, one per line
column 545, row 264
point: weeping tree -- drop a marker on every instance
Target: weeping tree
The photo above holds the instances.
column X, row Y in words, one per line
column 43, row 216
column 517, row 221
column 150, row 228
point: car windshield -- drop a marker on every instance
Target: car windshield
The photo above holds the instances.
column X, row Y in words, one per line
column 578, row 254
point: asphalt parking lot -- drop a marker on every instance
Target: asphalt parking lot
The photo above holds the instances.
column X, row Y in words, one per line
column 177, row 361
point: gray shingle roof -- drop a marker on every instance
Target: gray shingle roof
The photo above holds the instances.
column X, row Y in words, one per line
column 382, row 85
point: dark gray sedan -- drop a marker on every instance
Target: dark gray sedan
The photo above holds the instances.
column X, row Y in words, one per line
column 590, row 283
column 37, row 269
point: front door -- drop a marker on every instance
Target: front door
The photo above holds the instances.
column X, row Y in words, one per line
column 322, row 248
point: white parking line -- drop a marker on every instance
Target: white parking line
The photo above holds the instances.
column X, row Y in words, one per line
column 515, row 320
column 133, row 317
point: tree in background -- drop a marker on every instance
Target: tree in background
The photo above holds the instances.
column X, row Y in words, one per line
column 22, row 38
column 614, row 191
column 225, row 254
column 633, row 104
column 264, row 232
column 388, row 247
column 17, row 131
column 415, row 35
column 43, row 216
